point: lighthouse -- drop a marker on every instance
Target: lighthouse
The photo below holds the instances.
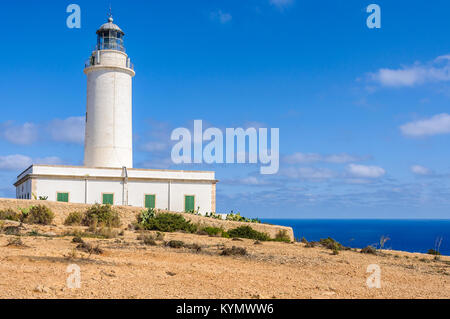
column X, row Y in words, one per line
column 108, row 136
column 108, row 175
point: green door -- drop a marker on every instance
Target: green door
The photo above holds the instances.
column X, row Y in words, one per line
column 108, row 199
column 150, row 201
column 62, row 197
column 189, row 203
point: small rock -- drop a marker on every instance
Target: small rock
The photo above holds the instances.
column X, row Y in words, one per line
column 328, row 293
column 40, row 288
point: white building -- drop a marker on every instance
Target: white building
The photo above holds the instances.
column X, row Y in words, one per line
column 108, row 175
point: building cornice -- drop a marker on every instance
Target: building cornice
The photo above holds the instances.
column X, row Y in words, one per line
column 109, row 67
column 120, row 168
column 113, row 178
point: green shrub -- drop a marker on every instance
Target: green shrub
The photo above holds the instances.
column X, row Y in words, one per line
column 212, row 231
column 167, row 222
column 248, row 232
column 196, row 247
column 433, row 252
column 39, row 214
column 36, row 233
column 16, row 242
column 105, row 232
column 175, row 244
column 148, row 239
column 74, row 218
column 234, row 251
column 102, row 215
column 238, row 218
column 9, row 214
column 311, row 244
column 369, row 250
column 283, row 236
column 159, row 236
column 89, row 248
column 78, row 240
column 330, row 243
column 102, row 233
column 11, row 230
column 145, row 216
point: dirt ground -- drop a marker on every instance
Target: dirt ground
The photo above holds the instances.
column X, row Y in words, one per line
column 128, row 268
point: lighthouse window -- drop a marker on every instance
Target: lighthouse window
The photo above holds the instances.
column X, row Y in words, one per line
column 150, row 201
column 62, row 197
column 108, row 199
column 189, row 203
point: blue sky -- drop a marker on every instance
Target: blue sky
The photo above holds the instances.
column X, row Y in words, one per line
column 363, row 113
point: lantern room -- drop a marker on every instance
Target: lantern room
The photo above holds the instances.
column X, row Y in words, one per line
column 110, row 37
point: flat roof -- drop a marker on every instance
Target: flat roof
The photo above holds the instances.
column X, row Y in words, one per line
column 112, row 168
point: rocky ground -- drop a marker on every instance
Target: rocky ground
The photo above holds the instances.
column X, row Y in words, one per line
column 36, row 267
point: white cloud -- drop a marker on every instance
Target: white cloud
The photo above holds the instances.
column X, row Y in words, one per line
column 249, row 181
column 341, row 158
column 15, row 162
column 155, row 146
column 438, row 124
column 365, row 171
column 252, row 180
column 281, row 3
column 157, row 163
column 308, row 173
column 302, row 158
column 437, row 70
column 70, row 130
column 221, row 16
column 24, row 134
column 420, row 170
column 19, row 162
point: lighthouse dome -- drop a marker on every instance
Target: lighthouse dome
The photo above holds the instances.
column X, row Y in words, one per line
column 110, row 26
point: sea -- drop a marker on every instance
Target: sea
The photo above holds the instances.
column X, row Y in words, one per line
column 416, row 235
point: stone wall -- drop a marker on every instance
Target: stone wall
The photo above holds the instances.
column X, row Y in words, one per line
column 128, row 215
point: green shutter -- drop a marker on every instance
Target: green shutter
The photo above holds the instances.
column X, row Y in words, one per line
column 108, row 199
column 189, row 203
column 149, row 201
column 62, row 197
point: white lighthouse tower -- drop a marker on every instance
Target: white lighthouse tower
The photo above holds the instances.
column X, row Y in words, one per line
column 109, row 141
